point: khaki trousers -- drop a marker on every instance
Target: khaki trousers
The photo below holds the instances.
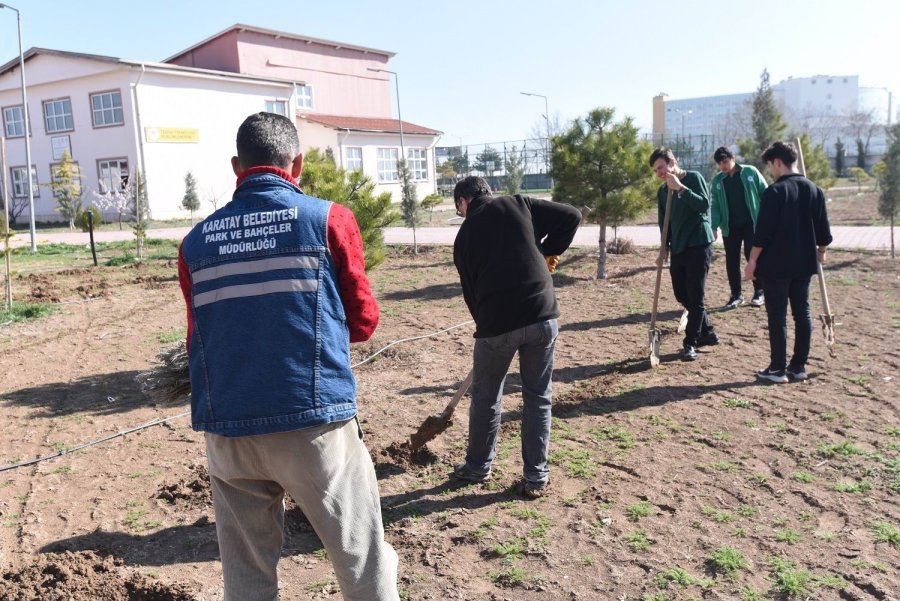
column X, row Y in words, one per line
column 327, row 470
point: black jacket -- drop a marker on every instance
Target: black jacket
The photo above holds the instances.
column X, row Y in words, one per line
column 499, row 254
column 792, row 222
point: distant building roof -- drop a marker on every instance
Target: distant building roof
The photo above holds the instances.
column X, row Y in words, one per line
column 369, row 124
column 281, row 34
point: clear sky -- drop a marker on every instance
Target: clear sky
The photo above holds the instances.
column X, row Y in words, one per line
column 462, row 63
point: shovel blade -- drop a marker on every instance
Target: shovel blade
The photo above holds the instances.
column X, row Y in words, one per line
column 654, row 348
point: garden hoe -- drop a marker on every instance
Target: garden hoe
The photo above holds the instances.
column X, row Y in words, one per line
column 435, row 424
column 654, row 333
column 828, row 317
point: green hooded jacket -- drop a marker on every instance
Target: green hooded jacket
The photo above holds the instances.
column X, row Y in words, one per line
column 754, row 186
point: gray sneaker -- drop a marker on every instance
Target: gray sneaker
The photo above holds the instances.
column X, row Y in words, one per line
column 463, row 472
column 797, row 374
column 733, row 303
column 771, row 375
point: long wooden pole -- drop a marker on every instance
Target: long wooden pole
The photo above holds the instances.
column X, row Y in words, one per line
column 6, row 249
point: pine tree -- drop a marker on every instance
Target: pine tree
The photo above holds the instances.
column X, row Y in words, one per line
column 515, row 170
column 840, row 156
column 889, row 200
column 767, row 122
column 66, row 186
column 191, row 200
column 409, row 201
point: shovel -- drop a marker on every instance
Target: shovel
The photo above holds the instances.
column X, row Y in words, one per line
column 435, row 424
column 654, row 333
column 828, row 317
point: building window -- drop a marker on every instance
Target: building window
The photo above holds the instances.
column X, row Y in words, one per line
column 58, row 115
column 353, row 158
column 279, row 107
column 112, row 174
column 418, row 163
column 387, row 165
column 14, row 121
column 304, row 95
column 20, row 182
column 54, row 176
column 106, row 108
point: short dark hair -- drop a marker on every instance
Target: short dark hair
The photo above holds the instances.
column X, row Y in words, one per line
column 471, row 187
column 722, row 153
column 662, row 152
column 267, row 139
column 780, row 150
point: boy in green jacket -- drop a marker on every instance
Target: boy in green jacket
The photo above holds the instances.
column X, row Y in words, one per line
column 736, row 191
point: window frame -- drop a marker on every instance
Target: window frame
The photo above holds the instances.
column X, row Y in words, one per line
column 35, row 189
column 423, row 159
column 71, row 115
column 348, row 159
column 303, row 105
column 281, row 102
column 101, row 181
column 382, row 171
column 25, row 127
column 94, row 111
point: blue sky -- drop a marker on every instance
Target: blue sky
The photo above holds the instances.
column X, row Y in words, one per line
column 463, row 63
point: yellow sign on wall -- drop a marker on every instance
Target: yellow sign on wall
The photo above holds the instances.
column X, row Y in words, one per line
column 172, row 135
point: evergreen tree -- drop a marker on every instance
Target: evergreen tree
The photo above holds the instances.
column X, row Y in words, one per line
column 889, row 199
column 840, row 157
column 860, row 154
column 191, row 200
column 767, row 122
column 66, row 186
column 322, row 178
column 515, row 170
column 409, row 201
column 818, row 168
column 601, row 165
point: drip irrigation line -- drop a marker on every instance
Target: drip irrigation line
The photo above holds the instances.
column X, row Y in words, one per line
column 157, row 422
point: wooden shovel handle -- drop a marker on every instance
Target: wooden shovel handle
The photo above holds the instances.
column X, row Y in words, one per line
column 825, row 303
column 664, row 240
column 460, row 392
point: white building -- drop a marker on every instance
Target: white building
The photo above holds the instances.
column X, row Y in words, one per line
column 117, row 117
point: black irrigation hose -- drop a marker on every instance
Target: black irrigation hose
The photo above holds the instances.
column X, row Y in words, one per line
column 157, row 422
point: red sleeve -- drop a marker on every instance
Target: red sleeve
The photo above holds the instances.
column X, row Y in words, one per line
column 346, row 247
column 184, row 280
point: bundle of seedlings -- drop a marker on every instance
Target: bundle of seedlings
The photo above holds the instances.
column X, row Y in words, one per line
column 168, row 380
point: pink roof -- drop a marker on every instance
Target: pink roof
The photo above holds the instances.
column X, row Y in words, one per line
column 372, row 124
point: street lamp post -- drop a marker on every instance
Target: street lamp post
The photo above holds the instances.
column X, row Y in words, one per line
column 399, row 118
column 547, row 119
column 27, row 133
column 683, row 112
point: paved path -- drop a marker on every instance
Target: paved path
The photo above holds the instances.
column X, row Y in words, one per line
column 846, row 237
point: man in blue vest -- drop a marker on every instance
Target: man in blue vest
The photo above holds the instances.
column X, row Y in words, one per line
column 276, row 291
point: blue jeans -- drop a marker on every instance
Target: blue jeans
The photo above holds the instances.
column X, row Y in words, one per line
column 780, row 292
column 492, row 358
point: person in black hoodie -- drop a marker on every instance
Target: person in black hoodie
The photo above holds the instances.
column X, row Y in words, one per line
column 505, row 251
column 792, row 233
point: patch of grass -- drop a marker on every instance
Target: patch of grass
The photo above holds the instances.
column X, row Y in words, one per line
column 124, row 259
column 727, row 560
column 675, row 575
column 577, row 463
column 886, row 533
column 170, row 336
column 638, row 540
column 758, row 477
column 722, row 517
column 49, row 249
column 747, row 511
column 320, row 586
column 792, row 583
column 587, row 560
column 509, row 551
column 830, row 416
column 512, row 577
column 788, row 536
column 638, row 510
column 63, row 469
column 19, row 312
column 622, row 438
column 830, row 581
column 825, row 536
column 320, row 554
column 802, row 476
column 845, row 448
column 736, row 403
column 133, row 518
column 863, row 486
column 748, row 593
column 892, row 431
column 722, row 466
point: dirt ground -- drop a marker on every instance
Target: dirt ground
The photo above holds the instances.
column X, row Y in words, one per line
column 687, row 481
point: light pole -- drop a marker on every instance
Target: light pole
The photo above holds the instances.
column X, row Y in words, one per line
column 683, row 112
column 547, row 119
column 399, row 118
column 27, row 133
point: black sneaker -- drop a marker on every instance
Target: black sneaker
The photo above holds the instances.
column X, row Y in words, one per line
column 688, row 353
column 758, row 299
column 708, row 339
column 771, row 375
column 734, row 302
column 462, row 471
column 797, row 374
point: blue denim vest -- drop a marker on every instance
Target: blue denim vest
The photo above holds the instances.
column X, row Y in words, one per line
column 270, row 348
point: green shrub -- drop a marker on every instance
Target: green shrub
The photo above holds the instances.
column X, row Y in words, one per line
column 81, row 219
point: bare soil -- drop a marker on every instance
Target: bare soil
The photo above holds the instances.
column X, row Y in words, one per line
column 656, row 473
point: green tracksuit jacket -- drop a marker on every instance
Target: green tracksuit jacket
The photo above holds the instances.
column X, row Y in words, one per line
column 754, row 186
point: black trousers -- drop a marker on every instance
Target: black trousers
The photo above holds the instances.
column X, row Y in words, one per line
column 780, row 292
column 737, row 236
column 689, row 269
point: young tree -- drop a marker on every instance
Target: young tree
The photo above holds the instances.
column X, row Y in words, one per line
column 136, row 191
column 601, row 165
column 191, row 200
column 840, row 157
column 861, row 154
column 213, row 197
column 767, row 123
column 429, row 202
column 515, row 170
column 889, row 200
column 409, row 201
column 114, row 200
column 878, row 170
column 66, row 186
column 860, row 175
column 488, row 161
column 324, row 179
column 459, row 159
column 818, row 168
